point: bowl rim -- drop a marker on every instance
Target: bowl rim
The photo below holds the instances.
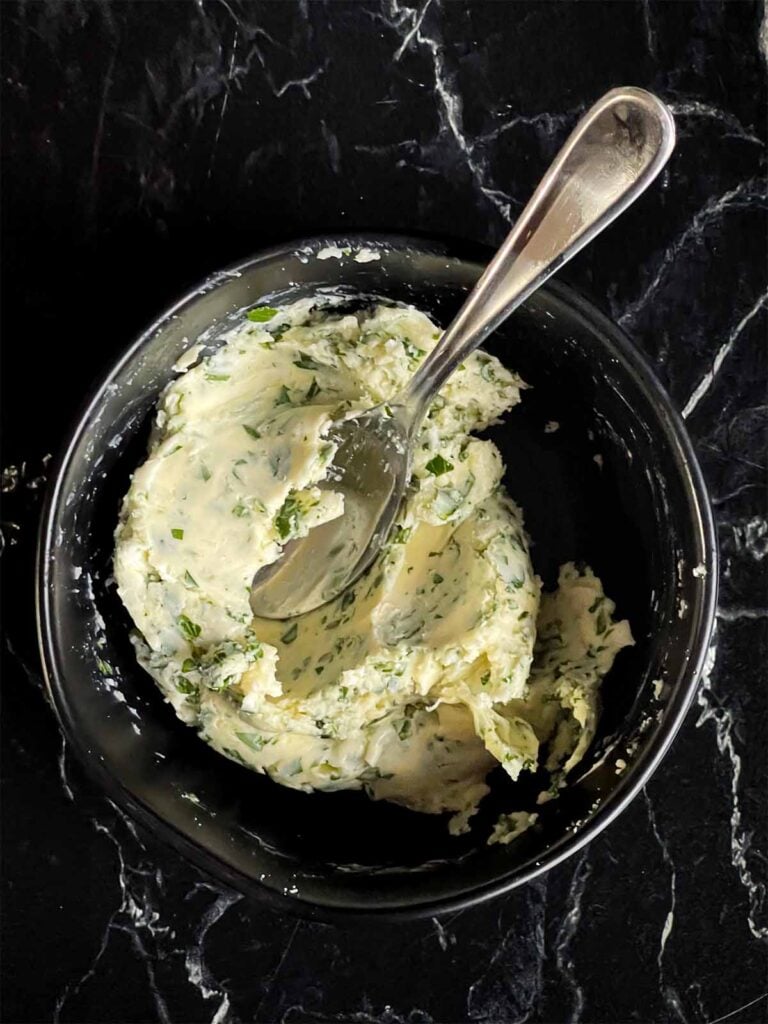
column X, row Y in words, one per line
column 702, row 611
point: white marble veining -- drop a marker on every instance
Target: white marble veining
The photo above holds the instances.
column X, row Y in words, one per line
column 668, row 990
column 565, row 935
column 722, row 353
column 255, row 117
column 715, row 709
column 749, row 195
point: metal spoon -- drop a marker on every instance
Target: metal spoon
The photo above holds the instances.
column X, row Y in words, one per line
column 613, row 154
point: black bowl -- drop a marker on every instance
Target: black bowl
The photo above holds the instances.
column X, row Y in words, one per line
column 616, row 486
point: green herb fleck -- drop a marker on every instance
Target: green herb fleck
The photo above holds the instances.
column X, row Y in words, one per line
column 487, row 371
column 189, row 579
column 217, row 376
column 177, row 534
column 313, row 389
column 306, row 362
column 438, row 465
column 188, row 665
column 411, row 350
column 284, row 398
column 189, row 629
column 184, row 685
column 205, row 473
column 261, row 314
column 251, row 432
column 447, row 501
column 287, row 519
column 235, row 755
column 251, row 739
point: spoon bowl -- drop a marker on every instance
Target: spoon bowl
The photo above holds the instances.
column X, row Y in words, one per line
column 370, row 470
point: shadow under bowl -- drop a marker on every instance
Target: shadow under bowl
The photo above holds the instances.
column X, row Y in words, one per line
column 615, row 485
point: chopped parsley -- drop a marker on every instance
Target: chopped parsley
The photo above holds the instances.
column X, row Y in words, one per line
column 412, row 351
column 447, row 501
column 189, row 629
column 251, row 739
column 261, row 314
column 287, row 519
column 487, row 371
column 177, row 533
column 184, row 685
column 306, row 362
column 438, row 465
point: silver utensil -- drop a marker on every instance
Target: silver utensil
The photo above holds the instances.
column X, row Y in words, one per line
column 610, row 158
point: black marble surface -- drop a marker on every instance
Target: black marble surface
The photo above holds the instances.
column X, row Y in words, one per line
column 146, row 144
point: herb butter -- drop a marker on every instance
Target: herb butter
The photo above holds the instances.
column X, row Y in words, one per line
column 443, row 661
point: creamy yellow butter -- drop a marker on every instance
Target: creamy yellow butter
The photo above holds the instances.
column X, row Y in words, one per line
column 422, row 676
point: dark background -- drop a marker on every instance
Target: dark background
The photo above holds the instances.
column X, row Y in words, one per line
column 146, row 144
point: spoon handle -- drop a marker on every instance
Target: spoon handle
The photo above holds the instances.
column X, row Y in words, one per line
column 613, row 154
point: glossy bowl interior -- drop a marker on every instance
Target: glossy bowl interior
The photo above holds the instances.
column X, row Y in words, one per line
column 616, row 485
